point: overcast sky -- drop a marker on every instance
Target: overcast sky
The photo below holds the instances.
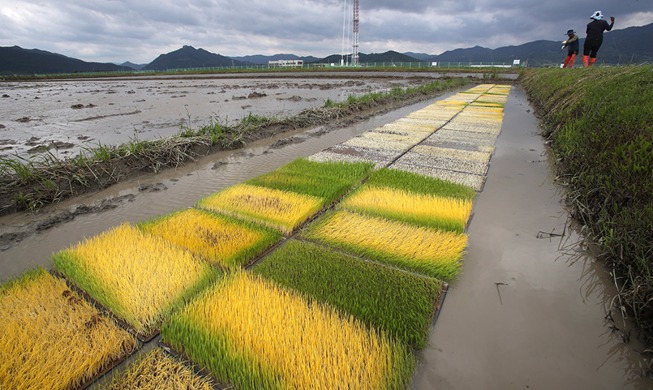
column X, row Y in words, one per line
column 140, row 30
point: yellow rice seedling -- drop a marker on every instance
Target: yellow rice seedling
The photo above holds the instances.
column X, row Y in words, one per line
column 281, row 210
column 429, row 251
column 138, row 276
column 50, row 338
column 428, row 210
column 254, row 334
column 158, row 370
column 216, row 238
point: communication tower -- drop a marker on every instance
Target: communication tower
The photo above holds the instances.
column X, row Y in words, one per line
column 354, row 56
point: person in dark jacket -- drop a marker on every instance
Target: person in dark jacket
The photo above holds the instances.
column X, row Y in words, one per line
column 594, row 37
column 572, row 48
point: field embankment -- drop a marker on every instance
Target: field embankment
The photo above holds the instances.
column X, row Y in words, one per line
column 599, row 124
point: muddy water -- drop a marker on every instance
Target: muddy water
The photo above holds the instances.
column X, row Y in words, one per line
column 527, row 312
column 69, row 115
column 528, row 308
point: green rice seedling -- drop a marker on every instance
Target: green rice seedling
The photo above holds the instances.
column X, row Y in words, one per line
column 139, row 277
column 328, row 188
column 419, row 184
column 347, row 171
column 438, row 212
column 282, row 210
column 51, row 338
column 254, row 334
column 424, row 250
column 221, row 240
column 158, row 370
column 386, row 298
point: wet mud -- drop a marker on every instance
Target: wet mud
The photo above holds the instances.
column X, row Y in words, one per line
column 64, row 117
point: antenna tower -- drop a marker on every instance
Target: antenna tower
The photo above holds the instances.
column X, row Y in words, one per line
column 354, row 56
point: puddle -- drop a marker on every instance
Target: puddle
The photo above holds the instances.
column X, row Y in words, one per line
column 527, row 310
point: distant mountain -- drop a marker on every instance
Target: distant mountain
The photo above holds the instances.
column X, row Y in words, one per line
column 263, row 60
column 16, row 60
column 631, row 45
column 189, row 57
column 388, row 56
column 133, row 66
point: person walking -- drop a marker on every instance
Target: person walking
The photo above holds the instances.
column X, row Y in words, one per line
column 572, row 48
column 594, row 37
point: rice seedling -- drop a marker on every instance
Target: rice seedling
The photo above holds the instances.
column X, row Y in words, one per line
column 252, row 333
column 158, row 370
column 419, row 184
column 470, row 180
column 139, row 277
column 350, row 154
column 386, row 298
column 424, row 250
column 423, row 210
column 50, row 338
column 424, row 157
column 219, row 239
column 281, row 210
column 319, row 186
column 349, row 172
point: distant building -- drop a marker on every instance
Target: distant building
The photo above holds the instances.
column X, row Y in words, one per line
column 286, row 63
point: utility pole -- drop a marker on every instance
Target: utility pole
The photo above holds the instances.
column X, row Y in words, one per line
column 354, row 56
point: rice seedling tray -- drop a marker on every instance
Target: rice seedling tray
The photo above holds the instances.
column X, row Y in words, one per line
column 467, row 179
column 277, row 209
column 47, row 320
column 398, row 302
column 419, row 249
column 346, row 153
column 253, row 333
column 143, row 339
column 138, row 277
column 222, row 241
column 164, row 368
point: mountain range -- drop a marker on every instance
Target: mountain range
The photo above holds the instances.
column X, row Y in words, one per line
column 631, row 45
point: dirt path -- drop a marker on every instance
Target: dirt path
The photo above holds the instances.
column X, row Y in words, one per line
column 527, row 311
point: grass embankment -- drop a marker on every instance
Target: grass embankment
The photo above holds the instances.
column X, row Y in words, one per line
column 29, row 184
column 599, row 123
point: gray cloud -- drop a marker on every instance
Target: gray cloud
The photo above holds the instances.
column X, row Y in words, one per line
column 120, row 30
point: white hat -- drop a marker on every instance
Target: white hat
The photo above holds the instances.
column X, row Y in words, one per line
column 597, row 15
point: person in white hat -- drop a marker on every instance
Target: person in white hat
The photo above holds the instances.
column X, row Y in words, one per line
column 594, row 37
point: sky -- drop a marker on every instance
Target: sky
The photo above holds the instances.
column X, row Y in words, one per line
column 140, row 30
